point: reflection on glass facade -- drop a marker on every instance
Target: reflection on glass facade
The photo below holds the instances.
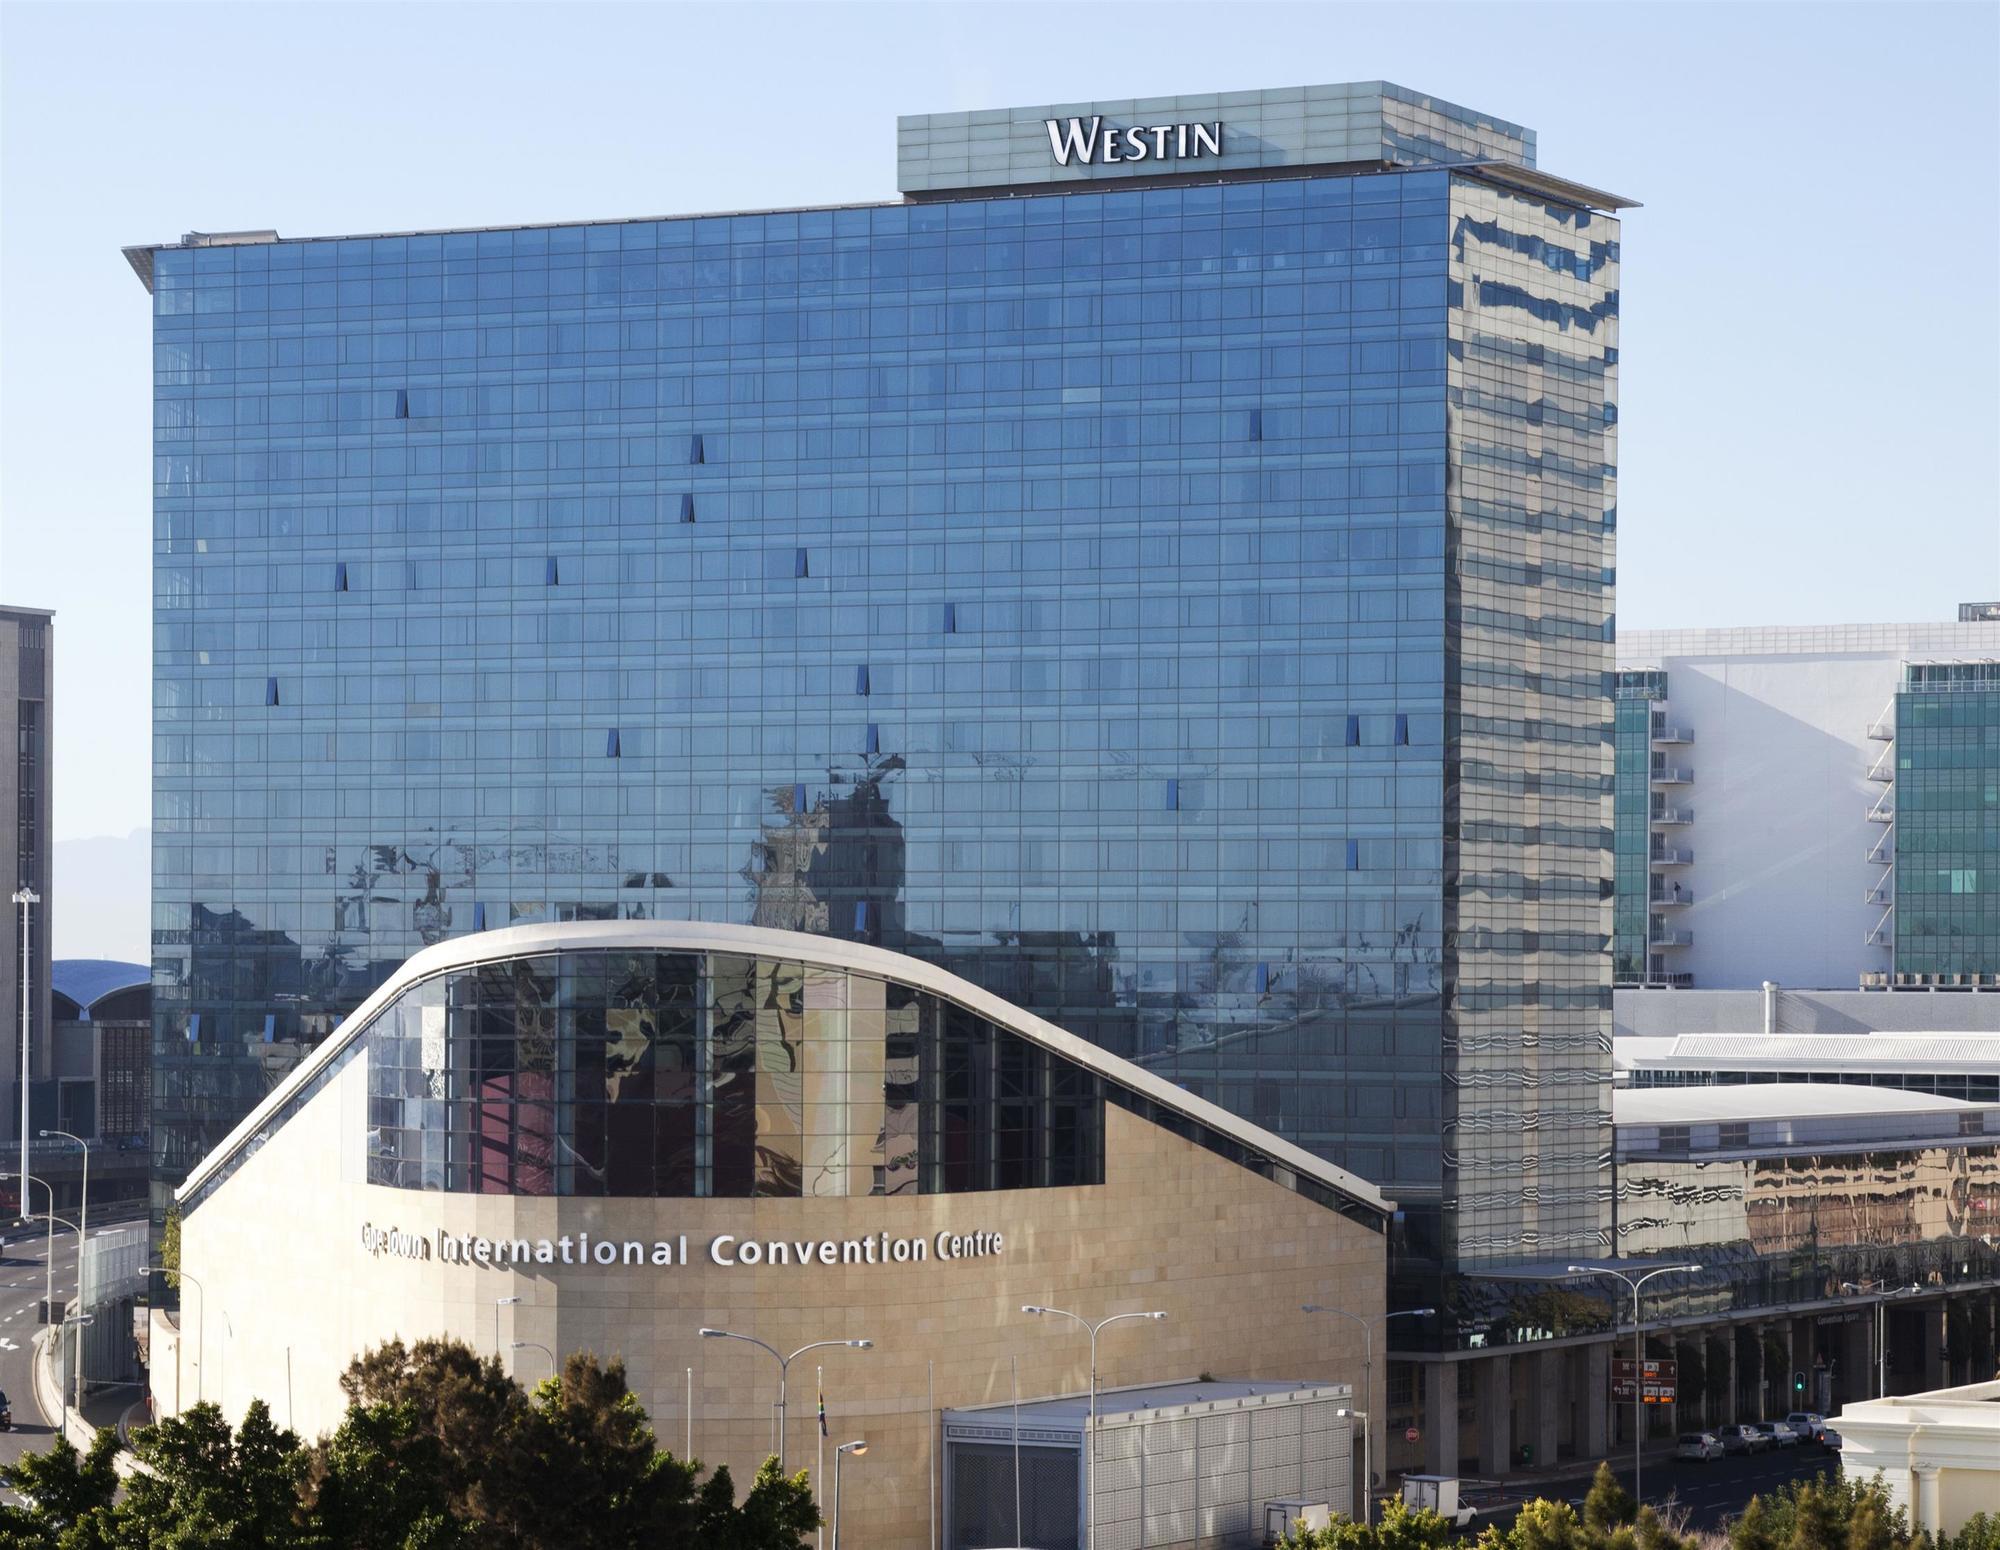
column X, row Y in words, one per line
column 1182, row 611
column 1947, row 797
column 712, row 1075
column 1792, row 1228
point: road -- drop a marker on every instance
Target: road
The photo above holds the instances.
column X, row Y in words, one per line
column 1717, row 1489
column 23, row 1283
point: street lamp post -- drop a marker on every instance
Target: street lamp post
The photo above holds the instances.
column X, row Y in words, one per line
column 857, row 1447
column 27, row 899
column 784, row 1374
column 83, row 1209
column 74, row 1321
column 1367, row 1390
column 49, row 1255
column 201, row 1349
column 1638, row 1354
column 498, row 1304
column 536, row 1345
column 1090, row 1485
column 1882, row 1295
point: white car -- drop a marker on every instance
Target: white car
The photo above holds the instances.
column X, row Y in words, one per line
column 1807, row 1423
column 1699, row 1446
column 1830, row 1440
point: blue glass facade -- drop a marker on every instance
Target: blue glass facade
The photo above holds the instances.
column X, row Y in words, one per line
column 1181, row 610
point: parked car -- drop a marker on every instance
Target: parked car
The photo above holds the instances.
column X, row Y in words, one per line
column 1699, row 1446
column 1809, row 1424
column 1781, row 1433
column 1829, row 1439
column 1742, row 1439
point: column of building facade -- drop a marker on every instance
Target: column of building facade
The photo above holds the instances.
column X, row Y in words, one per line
column 1804, row 1336
column 1857, row 1359
column 1595, row 1368
column 1494, row 1398
column 1542, row 1373
column 1750, row 1351
column 1722, row 1355
column 1929, row 1320
column 1440, row 1417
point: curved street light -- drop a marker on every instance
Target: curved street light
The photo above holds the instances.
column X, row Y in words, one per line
column 201, row 1350
column 1638, row 1353
column 857, row 1447
column 536, row 1345
column 1883, row 1292
column 83, row 1208
column 1367, row 1388
column 1090, row 1488
column 784, row 1371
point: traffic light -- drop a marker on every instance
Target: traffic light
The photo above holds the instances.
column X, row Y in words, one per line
column 1798, row 1383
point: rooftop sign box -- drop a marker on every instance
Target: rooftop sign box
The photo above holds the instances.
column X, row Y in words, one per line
column 1366, row 123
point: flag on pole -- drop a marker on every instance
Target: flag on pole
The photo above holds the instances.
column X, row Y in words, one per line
column 822, row 1413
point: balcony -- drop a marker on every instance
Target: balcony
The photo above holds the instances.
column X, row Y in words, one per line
column 1671, row 855
column 1884, row 810
column 1672, row 898
column 1883, row 893
column 1666, row 815
column 1672, row 775
column 1884, row 768
column 1666, row 733
column 1670, row 939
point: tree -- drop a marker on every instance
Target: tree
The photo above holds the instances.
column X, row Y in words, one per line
column 66, row 1487
column 204, row 1485
column 1609, row 1504
column 170, row 1249
column 439, row 1450
column 776, row 1515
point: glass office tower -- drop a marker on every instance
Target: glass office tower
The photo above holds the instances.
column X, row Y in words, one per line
column 1178, row 602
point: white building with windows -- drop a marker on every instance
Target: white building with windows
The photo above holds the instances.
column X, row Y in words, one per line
column 1777, row 846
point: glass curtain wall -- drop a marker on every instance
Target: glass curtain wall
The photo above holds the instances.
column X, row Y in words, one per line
column 1948, row 821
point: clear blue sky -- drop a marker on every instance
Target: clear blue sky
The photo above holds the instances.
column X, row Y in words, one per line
column 1810, row 390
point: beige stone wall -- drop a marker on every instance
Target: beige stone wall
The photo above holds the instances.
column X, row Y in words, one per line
column 1228, row 1255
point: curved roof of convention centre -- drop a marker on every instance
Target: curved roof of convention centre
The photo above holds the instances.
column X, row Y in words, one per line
column 86, row 981
column 828, row 952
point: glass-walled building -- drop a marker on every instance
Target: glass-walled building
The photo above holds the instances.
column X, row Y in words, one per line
column 1947, row 824
column 1169, row 587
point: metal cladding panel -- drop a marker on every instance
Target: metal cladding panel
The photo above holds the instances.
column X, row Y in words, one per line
column 1063, row 144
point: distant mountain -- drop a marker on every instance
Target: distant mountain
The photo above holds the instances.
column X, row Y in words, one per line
column 102, row 905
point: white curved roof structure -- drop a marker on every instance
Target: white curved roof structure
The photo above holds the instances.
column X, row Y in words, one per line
column 705, row 936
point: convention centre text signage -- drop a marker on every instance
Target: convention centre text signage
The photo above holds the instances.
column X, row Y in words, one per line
column 725, row 1249
column 1085, row 141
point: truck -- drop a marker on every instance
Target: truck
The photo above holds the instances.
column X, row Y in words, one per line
column 1458, row 1501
